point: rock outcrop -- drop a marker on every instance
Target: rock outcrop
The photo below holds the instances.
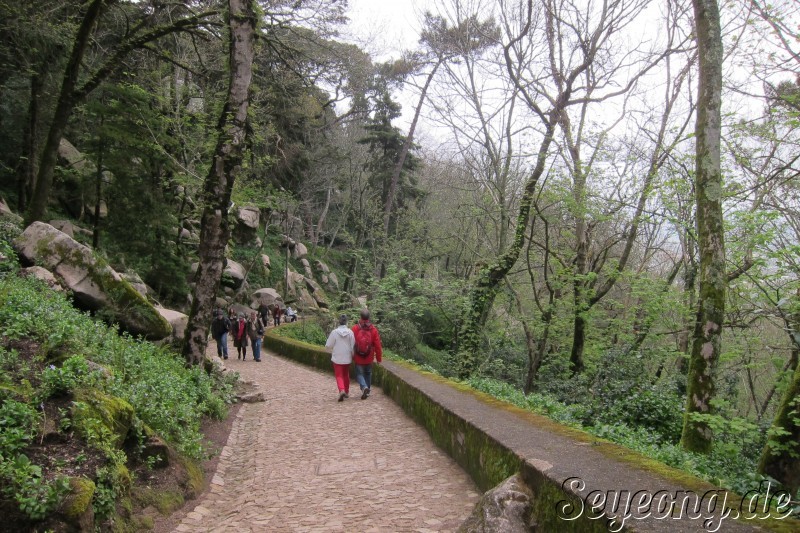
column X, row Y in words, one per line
column 233, row 276
column 44, row 275
column 177, row 321
column 507, row 508
column 247, row 221
column 266, row 297
column 95, row 285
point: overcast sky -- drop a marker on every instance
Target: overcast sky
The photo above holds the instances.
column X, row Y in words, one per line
column 386, row 27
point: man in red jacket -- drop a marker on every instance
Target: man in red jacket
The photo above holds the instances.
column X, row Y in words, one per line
column 367, row 349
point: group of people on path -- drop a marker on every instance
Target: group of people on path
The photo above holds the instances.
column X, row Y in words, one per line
column 245, row 330
column 360, row 344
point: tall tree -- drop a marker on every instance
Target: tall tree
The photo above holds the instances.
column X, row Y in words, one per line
column 780, row 456
column 226, row 164
column 72, row 92
column 707, row 337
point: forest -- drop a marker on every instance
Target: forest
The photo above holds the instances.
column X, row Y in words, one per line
column 589, row 209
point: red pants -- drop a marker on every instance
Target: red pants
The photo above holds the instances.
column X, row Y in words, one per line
column 342, row 373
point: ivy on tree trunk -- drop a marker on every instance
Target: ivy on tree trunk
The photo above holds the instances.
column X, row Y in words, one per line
column 228, row 154
column 707, row 336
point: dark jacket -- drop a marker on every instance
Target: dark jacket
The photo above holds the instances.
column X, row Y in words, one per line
column 220, row 325
column 255, row 329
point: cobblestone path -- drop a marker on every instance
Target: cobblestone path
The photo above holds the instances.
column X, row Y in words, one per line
column 301, row 461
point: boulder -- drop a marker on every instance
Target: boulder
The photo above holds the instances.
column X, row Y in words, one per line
column 251, row 398
column 6, row 211
column 317, row 293
column 240, row 309
column 64, row 226
column 76, row 508
column 265, row 262
column 185, row 234
column 136, row 282
column 333, row 282
column 177, row 320
column 247, row 221
column 71, row 157
column 114, row 414
column 295, row 225
column 299, row 251
column 507, row 508
column 89, row 209
column 266, row 297
column 233, row 276
column 154, row 449
column 248, row 216
column 94, row 284
column 307, row 268
column 299, row 292
column 287, row 241
column 44, row 275
column 321, row 267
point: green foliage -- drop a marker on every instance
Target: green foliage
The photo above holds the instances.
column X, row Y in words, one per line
column 622, row 394
column 22, row 481
column 73, row 374
column 168, row 397
column 113, row 481
column 305, row 331
column 18, row 424
column 405, row 308
column 726, row 466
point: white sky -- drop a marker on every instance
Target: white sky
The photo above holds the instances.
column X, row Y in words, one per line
column 386, row 27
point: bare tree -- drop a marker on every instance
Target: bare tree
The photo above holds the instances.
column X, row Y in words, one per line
column 549, row 48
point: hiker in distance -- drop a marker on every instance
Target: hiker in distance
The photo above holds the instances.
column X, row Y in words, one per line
column 276, row 315
column 255, row 332
column 239, row 334
column 219, row 331
column 368, row 349
column 341, row 343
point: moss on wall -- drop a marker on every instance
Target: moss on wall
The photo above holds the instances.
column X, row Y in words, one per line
column 487, row 461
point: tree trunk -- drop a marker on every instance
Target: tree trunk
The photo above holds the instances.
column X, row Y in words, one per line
column 98, row 190
column 226, row 164
column 779, row 458
column 26, row 177
column 64, row 106
column 485, row 287
column 401, row 158
column 707, row 337
column 535, row 359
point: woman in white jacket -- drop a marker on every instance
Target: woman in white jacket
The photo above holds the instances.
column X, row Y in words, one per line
column 341, row 343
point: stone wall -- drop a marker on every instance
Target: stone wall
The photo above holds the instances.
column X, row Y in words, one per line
column 486, row 461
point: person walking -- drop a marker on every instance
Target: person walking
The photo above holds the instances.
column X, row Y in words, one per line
column 255, row 332
column 341, row 344
column 276, row 315
column 239, row 334
column 368, row 349
column 219, row 331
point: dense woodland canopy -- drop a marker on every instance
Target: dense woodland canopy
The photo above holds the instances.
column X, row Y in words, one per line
column 551, row 235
